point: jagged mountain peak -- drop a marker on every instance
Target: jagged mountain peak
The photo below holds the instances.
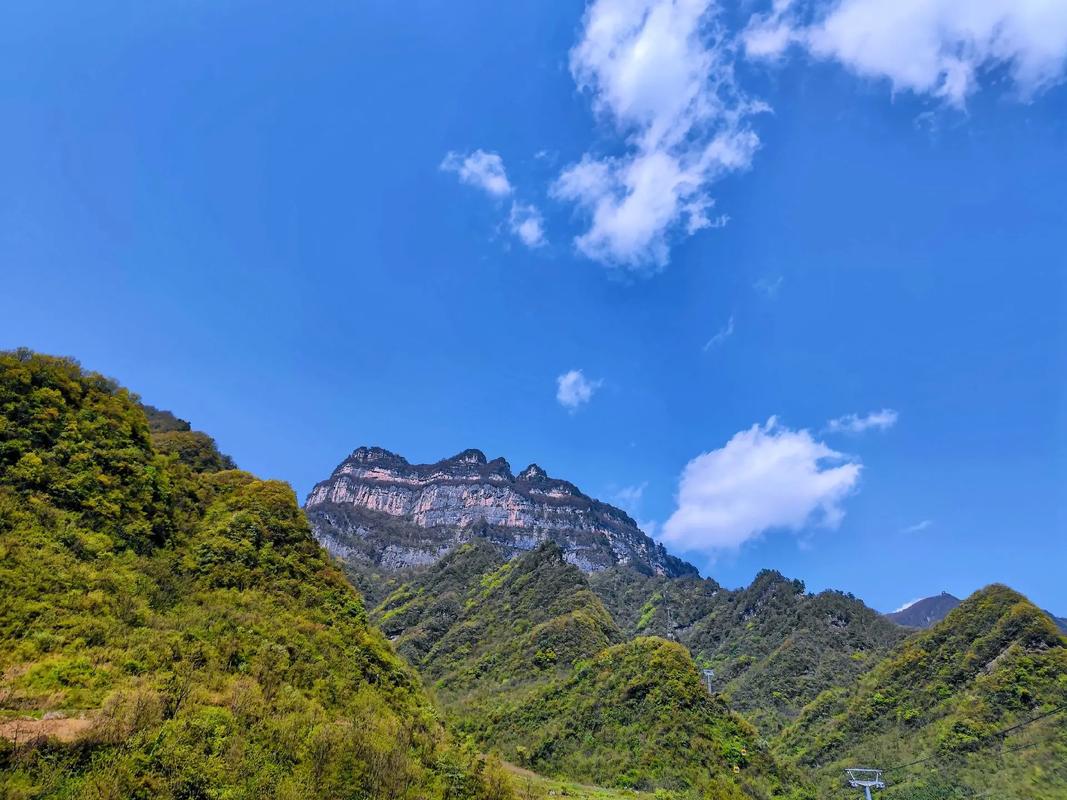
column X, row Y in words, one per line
column 532, row 473
column 374, row 455
column 379, row 509
column 469, row 456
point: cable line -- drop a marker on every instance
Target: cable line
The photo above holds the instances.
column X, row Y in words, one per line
column 994, row 735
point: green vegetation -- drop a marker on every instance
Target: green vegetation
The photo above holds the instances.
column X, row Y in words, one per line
column 170, row 628
column 479, row 628
column 773, row 647
column 526, row 660
column 994, row 662
column 531, row 786
column 637, row 715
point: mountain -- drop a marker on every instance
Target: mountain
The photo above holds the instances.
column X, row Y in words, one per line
column 638, row 715
column 171, row 629
column 975, row 703
column 525, row 659
column 477, row 625
column 383, row 516
column 774, row 648
column 924, row 613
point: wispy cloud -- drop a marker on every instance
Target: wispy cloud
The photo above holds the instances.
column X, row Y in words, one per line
column 725, row 333
column 859, row 423
column 573, row 389
column 918, row 526
column 482, row 169
column 485, row 170
column 629, row 498
column 767, row 477
column 661, row 73
column 908, row 604
column 769, row 286
column 527, row 224
column 938, row 48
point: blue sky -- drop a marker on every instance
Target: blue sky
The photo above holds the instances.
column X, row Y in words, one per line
column 302, row 231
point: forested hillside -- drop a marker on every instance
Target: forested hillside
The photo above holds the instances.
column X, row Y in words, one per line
column 525, row 658
column 479, row 627
column 170, row 628
column 638, row 715
column 977, row 701
column 773, row 647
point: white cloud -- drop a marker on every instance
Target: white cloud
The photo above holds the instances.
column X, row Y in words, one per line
column 857, row 423
column 629, row 498
column 527, row 223
column 660, row 71
column 767, row 477
column 573, row 389
column 922, row 525
column 908, row 604
column 721, row 336
column 481, row 169
column 940, row 48
column 486, row 171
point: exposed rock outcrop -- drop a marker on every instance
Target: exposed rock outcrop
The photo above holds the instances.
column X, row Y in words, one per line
column 378, row 509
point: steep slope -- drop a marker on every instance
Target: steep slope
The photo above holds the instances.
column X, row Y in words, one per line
column 925, row 612
column 773, row 647
column 170, row 629
column 942, row 697
column 508, row 646
column 637, row 715
column 381, row 514
column 478, row 626
column 176, row 437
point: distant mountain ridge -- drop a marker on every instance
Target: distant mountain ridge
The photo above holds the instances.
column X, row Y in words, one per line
column 931, row 610
column 379, row 511
column 924, row 613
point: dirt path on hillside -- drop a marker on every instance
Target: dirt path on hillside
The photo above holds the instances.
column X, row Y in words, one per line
column 27, row 729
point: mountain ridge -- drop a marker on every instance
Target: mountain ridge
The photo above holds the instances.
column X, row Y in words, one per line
column 931, row 610
column 377, row 511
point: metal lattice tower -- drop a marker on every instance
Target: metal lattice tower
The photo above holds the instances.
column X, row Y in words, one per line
column 866, row 779
column 709, row 676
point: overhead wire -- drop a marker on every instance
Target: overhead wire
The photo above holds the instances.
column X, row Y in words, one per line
column 988, row 737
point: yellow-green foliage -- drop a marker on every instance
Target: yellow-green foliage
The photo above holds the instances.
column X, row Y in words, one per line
column 188, row 614
column 521, row 655
column 993, row 662
column 637, row 715
column 476, row 626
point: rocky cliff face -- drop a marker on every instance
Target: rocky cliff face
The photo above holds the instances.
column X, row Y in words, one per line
column 377, row 509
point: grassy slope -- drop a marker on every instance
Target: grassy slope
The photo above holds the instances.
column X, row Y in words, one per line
column 531, row 786
column 993, row 662
column 185, row 615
